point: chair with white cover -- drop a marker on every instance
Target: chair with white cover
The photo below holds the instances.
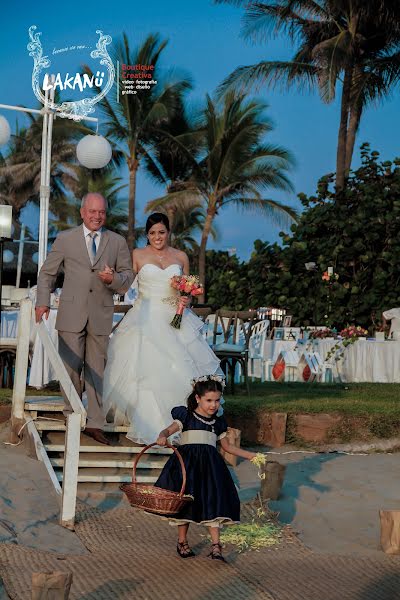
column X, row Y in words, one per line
column 256, row 348
column 6, row 295
column 232, row 345
column 17, row 294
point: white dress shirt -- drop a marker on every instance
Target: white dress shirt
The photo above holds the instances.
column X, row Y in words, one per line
column 88, row 239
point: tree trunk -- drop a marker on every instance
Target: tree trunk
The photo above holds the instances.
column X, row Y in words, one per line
column 342, row 138
column 171, row 218
column 354, row 122
column 203, row 246
column 133, row 165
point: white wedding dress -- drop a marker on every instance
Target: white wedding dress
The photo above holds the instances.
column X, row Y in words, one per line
column 150, row 363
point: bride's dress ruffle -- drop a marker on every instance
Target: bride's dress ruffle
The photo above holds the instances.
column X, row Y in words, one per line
column 150, row 364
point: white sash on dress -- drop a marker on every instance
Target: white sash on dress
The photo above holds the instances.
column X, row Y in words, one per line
column 198, row 436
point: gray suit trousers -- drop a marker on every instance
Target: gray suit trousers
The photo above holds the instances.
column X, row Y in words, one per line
column 89, row 351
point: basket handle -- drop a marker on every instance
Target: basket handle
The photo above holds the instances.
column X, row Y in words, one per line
column 138, row 457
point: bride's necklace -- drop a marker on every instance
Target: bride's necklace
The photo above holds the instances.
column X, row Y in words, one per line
column 160, row 257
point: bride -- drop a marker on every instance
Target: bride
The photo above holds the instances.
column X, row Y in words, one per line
column 150, row 364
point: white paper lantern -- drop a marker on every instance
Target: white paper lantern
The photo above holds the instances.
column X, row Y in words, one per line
column 5, row 131
column 93, row 152
column 8, row 256
column 35, row 257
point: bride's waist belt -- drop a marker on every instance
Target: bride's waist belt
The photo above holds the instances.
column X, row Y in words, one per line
column 160, row 299
column 199, row 436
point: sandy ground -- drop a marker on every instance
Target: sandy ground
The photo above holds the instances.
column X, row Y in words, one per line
column 332, row 500
column 29, row 509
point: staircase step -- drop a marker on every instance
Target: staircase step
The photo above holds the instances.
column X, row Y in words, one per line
column 111, row 478
column 44, row 403
column 58, row 425
column 109, row 449
column 122, row 464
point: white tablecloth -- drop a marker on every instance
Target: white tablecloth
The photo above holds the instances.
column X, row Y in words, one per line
column 42, row 372
column 9, row 323
column 363, row 361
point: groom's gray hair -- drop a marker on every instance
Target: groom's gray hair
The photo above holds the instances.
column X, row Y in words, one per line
column 85, row 197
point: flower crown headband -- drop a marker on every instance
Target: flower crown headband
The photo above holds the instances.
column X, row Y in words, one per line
column 219, row 378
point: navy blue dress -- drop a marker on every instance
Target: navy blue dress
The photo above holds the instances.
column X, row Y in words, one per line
column 208, row 479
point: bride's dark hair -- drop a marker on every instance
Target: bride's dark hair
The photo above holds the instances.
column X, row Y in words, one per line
column 200, row 389
column 155, row 218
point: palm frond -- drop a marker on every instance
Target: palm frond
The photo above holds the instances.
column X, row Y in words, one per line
column 281, row 215
column 279, row 75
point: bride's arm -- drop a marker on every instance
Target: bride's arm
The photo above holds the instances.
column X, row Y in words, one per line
column 185, row 264
column 135, row 261
column 165, row 433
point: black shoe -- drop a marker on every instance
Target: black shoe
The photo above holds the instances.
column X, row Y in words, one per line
column 216, row 552
column 184, row 550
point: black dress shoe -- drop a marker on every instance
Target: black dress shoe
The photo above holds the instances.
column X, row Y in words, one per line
column 97, row 435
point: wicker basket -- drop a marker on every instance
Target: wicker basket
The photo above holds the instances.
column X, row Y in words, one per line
column 154, row 499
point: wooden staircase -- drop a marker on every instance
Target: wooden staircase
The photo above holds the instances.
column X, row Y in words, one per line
column 75, row 462
column 100, row 468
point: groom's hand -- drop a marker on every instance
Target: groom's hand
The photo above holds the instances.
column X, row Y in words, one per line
column 40, row 311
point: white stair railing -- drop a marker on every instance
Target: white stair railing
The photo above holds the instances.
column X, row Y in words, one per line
column 75, row 421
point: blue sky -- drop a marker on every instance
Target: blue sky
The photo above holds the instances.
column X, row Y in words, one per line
column 204, row 40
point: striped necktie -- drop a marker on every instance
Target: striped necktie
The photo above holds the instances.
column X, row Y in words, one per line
column 92, row 246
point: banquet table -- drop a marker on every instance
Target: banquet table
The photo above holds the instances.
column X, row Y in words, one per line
column 364, row 361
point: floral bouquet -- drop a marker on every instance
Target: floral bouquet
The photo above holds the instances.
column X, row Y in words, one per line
column 187, row 285
column 320, row 334
column 353, row 332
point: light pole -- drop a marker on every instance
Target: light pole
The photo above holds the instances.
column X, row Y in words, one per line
column 47, row 131
column 5, row 235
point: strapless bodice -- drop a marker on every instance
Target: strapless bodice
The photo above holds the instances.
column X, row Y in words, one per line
column 155, row 283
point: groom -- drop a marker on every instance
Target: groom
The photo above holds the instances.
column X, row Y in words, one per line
column 96, row 265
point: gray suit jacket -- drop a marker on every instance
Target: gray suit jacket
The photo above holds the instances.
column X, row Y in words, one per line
column 84, row 296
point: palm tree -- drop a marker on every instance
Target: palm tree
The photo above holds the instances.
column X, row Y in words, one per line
column 235, row 166
column 138, row 121
column 106, row 184
column 20, row 167
column 172, row 161
column 353, row 42
column 188, row 224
